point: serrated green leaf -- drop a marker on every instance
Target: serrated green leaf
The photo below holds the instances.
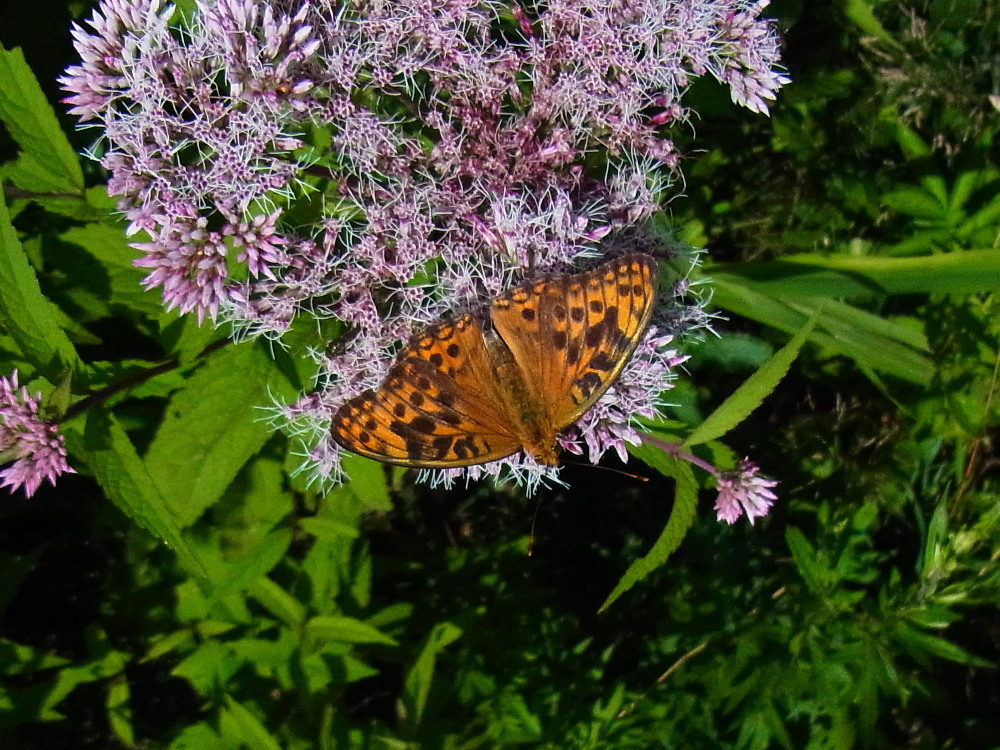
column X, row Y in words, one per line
column 749, row 396
column 111, row 458
column 47, row 163
column 681, row 517
column 74, row 329
column 213, row 425
column 27, row 316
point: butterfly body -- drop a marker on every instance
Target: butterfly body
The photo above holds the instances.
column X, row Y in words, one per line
column 522, row 402
column 461, row 393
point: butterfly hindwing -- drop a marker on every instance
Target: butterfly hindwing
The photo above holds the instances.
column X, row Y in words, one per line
column 573, row 334
column 436, row 408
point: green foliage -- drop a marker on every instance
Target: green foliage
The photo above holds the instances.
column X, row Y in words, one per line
column 217, row 601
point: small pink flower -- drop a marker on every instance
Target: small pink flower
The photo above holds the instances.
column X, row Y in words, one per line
column 742, row 491
column 36, row 446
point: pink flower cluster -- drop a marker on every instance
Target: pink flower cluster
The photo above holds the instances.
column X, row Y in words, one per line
column 387, row 162
column 742, row 491
column 33, row 445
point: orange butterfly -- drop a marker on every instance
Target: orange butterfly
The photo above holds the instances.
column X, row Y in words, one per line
column 461, row 394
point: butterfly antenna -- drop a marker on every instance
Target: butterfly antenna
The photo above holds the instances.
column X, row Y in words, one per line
column 531, row 536
column 630, row 475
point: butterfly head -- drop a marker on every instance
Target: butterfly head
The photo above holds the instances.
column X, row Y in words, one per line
column 546, row 454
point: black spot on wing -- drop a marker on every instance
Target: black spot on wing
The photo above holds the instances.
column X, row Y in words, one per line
column 441, row 446
column 588, row 383
column 595, row 334
column 467, row 448
column 601, row 361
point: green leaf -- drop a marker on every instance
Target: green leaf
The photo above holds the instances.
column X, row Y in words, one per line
column 913, row 146
column 681, row 517
column 16, row 658
column 212, row 664
column 917, row 204
column 851, row 277
column 240, row 724
column 859, row 12
column 984, row 218
column 47, row 164
column 319, row 630
column 27, row 316
column 252, row 512
column 929, row 563
column 870, row 340
column 110, row 456
column 99, row 258
column 920, row 645
column 68, row 678
column 278, row 602
column 749, row 396
column 120, row 711
column 818, row 577
column 417, row 686
column 369, row 483
column 180, row 640
column 199, row 736
column 212, row 427
column 324, row 528
column 249, row 565
column 729, row 352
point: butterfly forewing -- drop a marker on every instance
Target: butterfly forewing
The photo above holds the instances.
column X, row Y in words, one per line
column 437, row 407
column 572, row 335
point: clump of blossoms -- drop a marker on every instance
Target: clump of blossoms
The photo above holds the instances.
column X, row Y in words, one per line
column 743, row 490
column 434, row 153
column 33, row 445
